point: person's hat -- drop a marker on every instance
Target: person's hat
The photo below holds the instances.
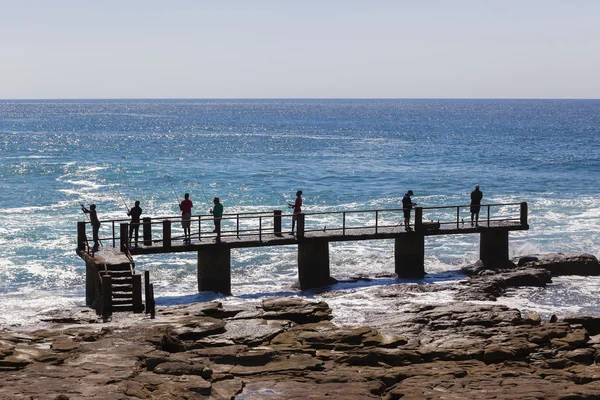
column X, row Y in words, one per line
column 216, row 200
column 410, row 193
column 92, row 206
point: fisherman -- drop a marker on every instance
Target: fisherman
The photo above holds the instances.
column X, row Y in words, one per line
column 95, row 224
column 297, row 207
column 476, row 196
column 407, row 205
column 217, row 212
column 186, row 214
column 134, row 225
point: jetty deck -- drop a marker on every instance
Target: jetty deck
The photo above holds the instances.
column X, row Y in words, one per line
column 312, row 237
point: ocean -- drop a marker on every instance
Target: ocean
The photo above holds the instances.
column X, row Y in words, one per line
column 343, row 155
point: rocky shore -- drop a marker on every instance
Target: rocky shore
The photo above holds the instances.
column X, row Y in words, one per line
column 291, row 348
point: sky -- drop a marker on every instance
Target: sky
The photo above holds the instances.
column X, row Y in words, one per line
column 69, row 49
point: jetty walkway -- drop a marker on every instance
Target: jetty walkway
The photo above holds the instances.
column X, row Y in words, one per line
column 313, row 234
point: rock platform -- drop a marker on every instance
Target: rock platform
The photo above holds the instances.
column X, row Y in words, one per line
column 290, row 348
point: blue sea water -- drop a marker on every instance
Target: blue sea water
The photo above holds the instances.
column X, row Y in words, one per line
column 343, row 154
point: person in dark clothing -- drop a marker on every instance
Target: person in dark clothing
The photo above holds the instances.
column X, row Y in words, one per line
column 95, row 224
column 407, row 205
column 186, row 214
column 134, row 225
column 476, row 196
column 217, row 212
column 297, row 207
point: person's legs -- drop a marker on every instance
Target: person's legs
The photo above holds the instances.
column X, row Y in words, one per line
column 136, row 229
column 293, row 222
column 95, row 230
column 477, row 218
column 218, row 229
column 407, row 220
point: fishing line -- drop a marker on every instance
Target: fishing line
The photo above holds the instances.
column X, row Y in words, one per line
column 121, row 198
column 279, row 194
column 202, row 189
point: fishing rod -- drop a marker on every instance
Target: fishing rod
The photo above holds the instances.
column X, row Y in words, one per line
column 173, row 187
column 279, row 194
column 202, row 188
column 121, row 198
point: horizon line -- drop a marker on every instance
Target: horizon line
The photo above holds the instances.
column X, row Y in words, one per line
column 292, row 98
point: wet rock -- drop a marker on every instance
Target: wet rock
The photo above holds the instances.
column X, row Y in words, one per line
column 563, row 264
column 295, row 309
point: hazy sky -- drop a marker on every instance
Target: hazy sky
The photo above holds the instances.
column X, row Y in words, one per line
column 300, row 48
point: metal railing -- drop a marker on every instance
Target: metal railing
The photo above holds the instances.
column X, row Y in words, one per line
column 258, row 225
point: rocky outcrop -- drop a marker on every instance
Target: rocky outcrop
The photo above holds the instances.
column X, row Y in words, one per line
column 562, row 264
column 287, row 348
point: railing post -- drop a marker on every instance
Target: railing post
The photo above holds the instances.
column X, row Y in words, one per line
column 300, row 225
column 147, row 231
column 81, row 237
column 418, row 219
column 277, row 222
column 237, row 226
column 123, row 236
column 260, row 229
column 199, row 228
column 376, row 220
column 344, row 223
column 113, row 234
column 147, row 290
column 457, row 217
column 166, row 233
column 488, row 215
column 523, row 215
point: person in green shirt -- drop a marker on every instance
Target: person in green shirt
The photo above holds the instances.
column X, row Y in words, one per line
column 217, row 212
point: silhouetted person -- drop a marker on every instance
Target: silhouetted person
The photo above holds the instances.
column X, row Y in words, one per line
column 476, row 196
column 297, row 207
column 186, row 214
column 217, row 212
column 134, row 225
column 407, row 205
column 95, row 224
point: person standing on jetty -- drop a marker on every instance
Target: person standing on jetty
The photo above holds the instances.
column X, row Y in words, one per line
column 186, row 214
column 407, row 205
column 134, row 225
column 476, row 196
column 297, row 206
column 217, row 212
column 95, row 224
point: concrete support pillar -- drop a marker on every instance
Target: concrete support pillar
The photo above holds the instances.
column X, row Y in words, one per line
column 409, row 252
column 493, row 248
column 214, row 270
column 106, row 296
column 147, row 231
column 136, row 293
column 91, row 284
column 313, row 263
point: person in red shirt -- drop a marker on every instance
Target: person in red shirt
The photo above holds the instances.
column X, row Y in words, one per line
column 297, row 206
column 186, row 214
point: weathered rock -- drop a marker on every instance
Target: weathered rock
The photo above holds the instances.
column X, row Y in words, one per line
column 455, row 350
column 295, row 309
column 563, row 264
